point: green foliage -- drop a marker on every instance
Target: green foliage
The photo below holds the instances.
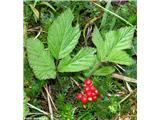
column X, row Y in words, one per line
column 25, row 106
column 119, row 40
column 58, row 26
column 40, row 60
column 104, row 84
column 35, row 11
column 103, row 71
column 83, row 60
column 107, row 108
column 110, row 48
column 114, row 41
column 62, row 37
column 99, row 43
column 42, row 118
column 120, row 57
column 65, row 108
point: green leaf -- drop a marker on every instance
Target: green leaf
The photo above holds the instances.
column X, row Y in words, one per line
column 25, row 106
column 42, row 118
column 103, row 71
column 82, row 61
column 40, row 60
column 49, row 5
column 99, row 43
column 120, row 57
column 88, row 72
column 119, row 40
column 35, row 11
column 62, row 37
column 105, row 14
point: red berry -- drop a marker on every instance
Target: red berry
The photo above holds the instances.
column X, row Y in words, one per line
column 88, row 82
column 93, row 94
column 86, row 88
column 94, row 98
column 97, row 93
column 84, row 99
column 79, row 96
column 89, row 93
column 92, row 88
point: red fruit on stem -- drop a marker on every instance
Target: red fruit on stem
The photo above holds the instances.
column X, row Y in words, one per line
column 84, row 99
column 79, row 96
column 97, row 93
column 88, row 82
column 94, row 98
column 92, row 88
column 86, row 88
column 89, row 93
column 93, row 94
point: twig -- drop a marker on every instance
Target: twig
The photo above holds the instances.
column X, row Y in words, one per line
column 120, row 67
column 31, row 106
column 73, row 111
column 76, row 82
column 44, row 95
column 128, row 87
column 35, row 29
column 38, row 33
column 49, row 105
column 126, row 97
column 121, row 77
column 51, row 99
column 34, row 114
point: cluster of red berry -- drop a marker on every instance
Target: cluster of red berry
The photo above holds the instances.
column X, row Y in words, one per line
column 90, row 92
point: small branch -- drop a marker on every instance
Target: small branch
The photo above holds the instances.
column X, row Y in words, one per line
column 35, row 29
column 120, row 67
column 44, row 95
column 76, row 82
column 51, row 99
column 38, row 33
column 49, row 105
column 31, row 106
column 128, row 87
column 121, row 77
column 126, row 97
column 34, row 114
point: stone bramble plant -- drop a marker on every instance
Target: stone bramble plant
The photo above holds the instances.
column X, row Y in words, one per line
column 63, row 38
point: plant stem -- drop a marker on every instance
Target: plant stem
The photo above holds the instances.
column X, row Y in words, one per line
column 106, row 10
column 50, row 99
column 76, row 82
column 126, row 97
column 49, row 104
column 31, row 106
column 121, row 77
column 38, row 33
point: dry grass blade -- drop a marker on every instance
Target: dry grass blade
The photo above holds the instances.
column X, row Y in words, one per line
column 51, row 99
column 121, row 77
column 49, row 104
column 31, row 106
